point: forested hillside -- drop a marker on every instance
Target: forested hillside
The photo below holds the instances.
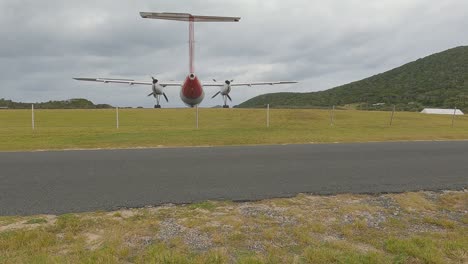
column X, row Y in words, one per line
column 439, row 80
column 67, row 104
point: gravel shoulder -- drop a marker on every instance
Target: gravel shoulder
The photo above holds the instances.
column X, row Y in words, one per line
column 414, row 227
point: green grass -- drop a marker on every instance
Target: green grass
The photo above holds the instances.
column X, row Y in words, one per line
column 203, row 205
column 36, row 221
column 422, row 248
column 75, row 129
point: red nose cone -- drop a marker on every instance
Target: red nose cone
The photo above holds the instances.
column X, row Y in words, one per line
column 192, row 88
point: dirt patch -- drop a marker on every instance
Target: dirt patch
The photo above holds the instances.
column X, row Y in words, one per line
column 170, row 229
column 44, row 220
column 93, row 240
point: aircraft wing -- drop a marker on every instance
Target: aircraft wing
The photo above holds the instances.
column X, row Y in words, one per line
column 248, row 83
column 127, row 81
column 260, row 83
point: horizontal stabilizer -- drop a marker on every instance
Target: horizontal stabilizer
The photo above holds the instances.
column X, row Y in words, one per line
column 188, row 17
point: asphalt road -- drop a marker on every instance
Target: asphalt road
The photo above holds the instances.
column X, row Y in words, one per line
column 77, row 181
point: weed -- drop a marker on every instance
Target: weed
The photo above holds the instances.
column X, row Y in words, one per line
column 36, row 221
column 207, row 205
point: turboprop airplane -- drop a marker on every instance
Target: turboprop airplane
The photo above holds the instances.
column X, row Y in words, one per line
column 191, row 93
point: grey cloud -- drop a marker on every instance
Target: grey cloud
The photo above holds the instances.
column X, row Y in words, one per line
column 322, row 44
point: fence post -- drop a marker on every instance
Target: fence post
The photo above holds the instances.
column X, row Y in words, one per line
column 332, row 116
column 197, row 115
column 117, row 117
column 453, row 118
column 393, row 114
column 32, row 117
column 268, row 115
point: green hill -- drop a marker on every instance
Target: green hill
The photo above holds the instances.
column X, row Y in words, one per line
column 67, row 104
column 439, row 80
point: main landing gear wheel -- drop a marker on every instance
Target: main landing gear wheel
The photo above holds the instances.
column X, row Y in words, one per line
column 225, row 106
column 157, row 106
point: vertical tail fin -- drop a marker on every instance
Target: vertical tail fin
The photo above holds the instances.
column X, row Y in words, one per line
column 192, row 46
column 191, row 19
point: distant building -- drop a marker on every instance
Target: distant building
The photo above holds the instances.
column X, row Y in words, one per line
column 3, row 107
column 437, row 111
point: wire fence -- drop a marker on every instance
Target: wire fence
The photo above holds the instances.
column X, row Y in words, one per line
column 205, row 118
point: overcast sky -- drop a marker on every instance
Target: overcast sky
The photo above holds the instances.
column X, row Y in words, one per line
column 320, row 43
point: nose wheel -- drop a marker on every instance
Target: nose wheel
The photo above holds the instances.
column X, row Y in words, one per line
column 225, row 98
column 157, row 106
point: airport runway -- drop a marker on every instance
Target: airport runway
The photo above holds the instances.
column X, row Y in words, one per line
column 77, row 181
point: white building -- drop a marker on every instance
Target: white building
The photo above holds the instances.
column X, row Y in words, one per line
column 437, row 111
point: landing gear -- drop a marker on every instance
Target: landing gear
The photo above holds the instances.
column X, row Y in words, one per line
column 225, row 97
column 158, row 99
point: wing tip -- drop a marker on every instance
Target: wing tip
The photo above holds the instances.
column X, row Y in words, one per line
column 84, row 79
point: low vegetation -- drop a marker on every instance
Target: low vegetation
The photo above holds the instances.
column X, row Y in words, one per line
column 423, row 227
column 77, row 129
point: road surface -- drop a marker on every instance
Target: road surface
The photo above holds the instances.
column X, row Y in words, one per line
column 60, row 182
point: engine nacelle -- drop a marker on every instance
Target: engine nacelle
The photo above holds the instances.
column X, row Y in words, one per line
column 226, row 89
column 158, row 89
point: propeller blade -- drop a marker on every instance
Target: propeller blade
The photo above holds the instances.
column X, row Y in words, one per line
column 167, row 100
column 232, row 80
column 150, row 94
column 229, row 97
column 215, row 95
column 214, row 80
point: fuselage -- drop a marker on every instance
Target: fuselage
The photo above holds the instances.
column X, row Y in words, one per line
column 191, row 92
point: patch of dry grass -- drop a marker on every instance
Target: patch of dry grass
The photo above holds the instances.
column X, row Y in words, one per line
column 422, row 227
column 415, row 202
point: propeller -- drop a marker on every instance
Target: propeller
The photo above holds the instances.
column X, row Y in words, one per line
column 216, row 94
column 155, row 81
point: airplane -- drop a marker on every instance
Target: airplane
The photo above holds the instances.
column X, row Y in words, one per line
column 191, row 93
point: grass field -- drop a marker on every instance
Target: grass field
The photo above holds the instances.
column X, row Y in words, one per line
column 75, row 129
column 423, row 227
